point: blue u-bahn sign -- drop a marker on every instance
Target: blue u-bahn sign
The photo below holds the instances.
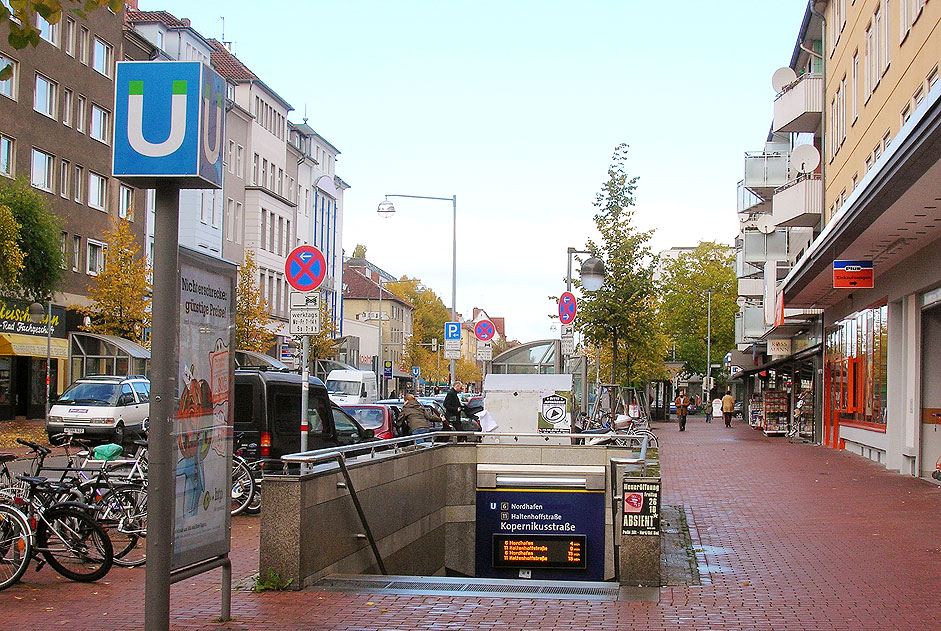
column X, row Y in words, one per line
column 169, row 119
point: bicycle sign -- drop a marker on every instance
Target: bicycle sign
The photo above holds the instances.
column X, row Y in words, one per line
column 485, row 330
column 305, row 268
column 567, row 308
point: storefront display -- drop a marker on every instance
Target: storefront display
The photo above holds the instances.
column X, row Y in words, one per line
column 774, row 406
column 755, row 414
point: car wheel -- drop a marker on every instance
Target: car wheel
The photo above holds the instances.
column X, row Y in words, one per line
column 119, row 433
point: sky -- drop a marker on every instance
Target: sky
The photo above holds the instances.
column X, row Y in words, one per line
column 516, row 107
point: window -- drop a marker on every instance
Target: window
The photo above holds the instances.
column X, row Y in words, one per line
column 906, row 113
column 76, row 253
column 870, row 60
column 886, row 140
column 214, row 216
column 255, row 170
column 79, row 183
column 97, row 191
column 67, row 107
column 65, row 172
column 101, row 57
column 229, row 207
column 238, row 222
column 280, row 181
column 855, row 180
column 160, row 39
column 6, row 156
column 855, row 85
column 64, row 248
column 95, row 258
column 264, row 228
column 230, row 156
column 68, row 40
column 919, row 96
column 47, row 31
column 932, row 77
column 44, row 98
column 264, row 172
column 100, row 124
column 80, row 114
column 238, row 161
column 42, row 171
column 82, row 49
column 271, row 225
column 8, row 86
column 202, row 207
column 125, row 201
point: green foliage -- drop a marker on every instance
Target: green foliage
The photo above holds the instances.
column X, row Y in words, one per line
column 323, row 345
column 251, row 310
column 271, row 582
column 121, row 293
column 38, row 239
column 622, row 315
column 359, row 252
column 711, row 266
column 22, row 21
column 428, row 320
column 11, row 256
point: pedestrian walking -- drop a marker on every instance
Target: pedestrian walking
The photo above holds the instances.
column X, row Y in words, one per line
column 728, row 406
column 414, row 417
column 682, row 408
column 717, row 407
column 453, row 407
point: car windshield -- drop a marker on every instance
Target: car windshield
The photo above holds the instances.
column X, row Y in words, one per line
column 368, row 418
column 335, row 386
column 105, row 394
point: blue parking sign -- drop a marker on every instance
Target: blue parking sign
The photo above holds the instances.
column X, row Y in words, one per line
column 452, row 330
column 169, row 119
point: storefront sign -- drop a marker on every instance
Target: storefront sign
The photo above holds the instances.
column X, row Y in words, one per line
column 641, row 501
column 14, row 318
column 852, row 274
column 779, row 348
column 555, row 533
column 203, row 422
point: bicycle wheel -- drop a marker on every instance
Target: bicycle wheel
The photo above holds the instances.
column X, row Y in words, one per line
column 16, row 545
column 254, row 507
column 123, row 513
column 74, row 544
column 243, row 486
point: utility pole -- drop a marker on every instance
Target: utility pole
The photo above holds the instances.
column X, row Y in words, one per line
column 707, row 389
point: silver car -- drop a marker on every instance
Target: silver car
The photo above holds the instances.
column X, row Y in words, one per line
column 103, row 407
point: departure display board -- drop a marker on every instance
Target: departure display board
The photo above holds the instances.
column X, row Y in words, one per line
column 540, row 551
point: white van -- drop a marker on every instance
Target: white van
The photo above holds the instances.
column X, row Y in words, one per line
column 350, row 387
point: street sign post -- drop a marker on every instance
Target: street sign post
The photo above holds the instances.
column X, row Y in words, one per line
column 485, row 351
column 305, row 313
column 305, row 268
column 485, row 330
column 567, row 307
column 568, row 339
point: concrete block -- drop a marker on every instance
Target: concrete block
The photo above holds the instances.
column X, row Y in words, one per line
column 640, row 561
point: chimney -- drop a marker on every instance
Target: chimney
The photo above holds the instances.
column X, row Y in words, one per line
column 185, row 21
column 130, row 4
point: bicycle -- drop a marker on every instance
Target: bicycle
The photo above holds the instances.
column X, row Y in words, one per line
column 16, row 545
column 243, row 485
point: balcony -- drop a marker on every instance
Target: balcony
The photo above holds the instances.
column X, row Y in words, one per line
column 799, row 107
column 750, row 287
column 765, row 171
column 743, row 269
column 799, row 204
column 750, row 324
column 759, row 248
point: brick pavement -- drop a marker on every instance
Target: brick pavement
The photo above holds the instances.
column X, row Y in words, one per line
column 793, row 536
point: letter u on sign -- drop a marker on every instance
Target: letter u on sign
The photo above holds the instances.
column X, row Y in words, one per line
column 135, row 122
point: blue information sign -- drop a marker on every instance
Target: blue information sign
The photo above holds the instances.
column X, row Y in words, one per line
column 416, row 371
column 558, row 535
column 169, row 121
column 387, row 369
column 452, row 330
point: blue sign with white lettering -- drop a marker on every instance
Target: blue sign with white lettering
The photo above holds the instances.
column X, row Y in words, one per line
column 416, row 371
column 556, row 534
column 169, row 119
column 452, row 330
column 387, row 369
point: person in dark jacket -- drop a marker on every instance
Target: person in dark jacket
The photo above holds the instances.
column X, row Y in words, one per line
column 452, row 406
column 416, row 416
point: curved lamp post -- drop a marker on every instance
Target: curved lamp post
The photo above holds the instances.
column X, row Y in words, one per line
column 386, row 209
column 592, row 274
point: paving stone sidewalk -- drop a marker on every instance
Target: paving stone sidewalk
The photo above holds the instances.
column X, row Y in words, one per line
column 790, row 537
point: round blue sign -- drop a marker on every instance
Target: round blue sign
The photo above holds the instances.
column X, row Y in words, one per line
column 305, row 268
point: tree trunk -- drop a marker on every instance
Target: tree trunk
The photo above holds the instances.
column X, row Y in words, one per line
column 614, row 357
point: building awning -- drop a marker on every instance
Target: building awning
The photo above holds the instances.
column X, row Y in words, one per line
column 803, row 355
column 32, row 346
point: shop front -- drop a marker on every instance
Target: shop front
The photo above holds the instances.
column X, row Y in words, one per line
column 24, row 348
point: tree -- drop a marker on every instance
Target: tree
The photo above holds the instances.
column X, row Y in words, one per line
column 251, row 310
column 11, row 256
column 38, row 240
column 121, row 293
column 711, row 266
column 428, row 318
column 623, row 313
column 359, row 252
column 467, row 371
column 22, row 20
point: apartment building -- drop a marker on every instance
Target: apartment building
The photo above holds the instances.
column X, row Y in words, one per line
column 56, row 132
column 877, row 104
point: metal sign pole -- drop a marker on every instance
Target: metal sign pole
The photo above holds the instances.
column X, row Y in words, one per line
column 163, row 380
column 305, row 390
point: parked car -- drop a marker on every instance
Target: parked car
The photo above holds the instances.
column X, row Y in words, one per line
column 267, row 415
column 105, row 407
column 377, row 417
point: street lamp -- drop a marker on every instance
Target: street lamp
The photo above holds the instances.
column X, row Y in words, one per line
column 708, row 387
column 35, row 316
column 592, row 275
column 386, row 209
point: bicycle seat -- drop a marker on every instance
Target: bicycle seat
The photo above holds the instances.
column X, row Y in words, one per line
column 32, row 480
column 7, row 457
column 140, row 442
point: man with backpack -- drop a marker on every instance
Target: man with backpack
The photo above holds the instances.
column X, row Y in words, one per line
column 682, row 408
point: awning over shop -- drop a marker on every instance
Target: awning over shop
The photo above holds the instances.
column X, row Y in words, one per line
column 803, row 355
column 32, row 346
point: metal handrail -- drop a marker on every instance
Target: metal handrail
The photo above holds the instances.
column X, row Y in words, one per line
column 322, row 456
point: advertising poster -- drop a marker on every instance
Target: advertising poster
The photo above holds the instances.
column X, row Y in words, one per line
column 203, row 424
column 555, row 534
column 641, row 514
column 554, row 417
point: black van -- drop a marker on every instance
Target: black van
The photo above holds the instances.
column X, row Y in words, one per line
column 267, row 413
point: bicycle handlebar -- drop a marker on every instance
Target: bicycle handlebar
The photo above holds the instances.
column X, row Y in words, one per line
column 37, row 448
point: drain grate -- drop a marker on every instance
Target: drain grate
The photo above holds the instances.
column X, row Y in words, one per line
column 450, row 586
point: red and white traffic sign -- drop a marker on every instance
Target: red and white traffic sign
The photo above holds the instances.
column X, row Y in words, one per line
column 567, row 308
column 305, row 268
column 485, row 330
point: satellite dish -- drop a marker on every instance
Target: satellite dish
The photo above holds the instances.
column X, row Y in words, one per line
column 782, row 77
column 765, row 225
column 805, row 158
